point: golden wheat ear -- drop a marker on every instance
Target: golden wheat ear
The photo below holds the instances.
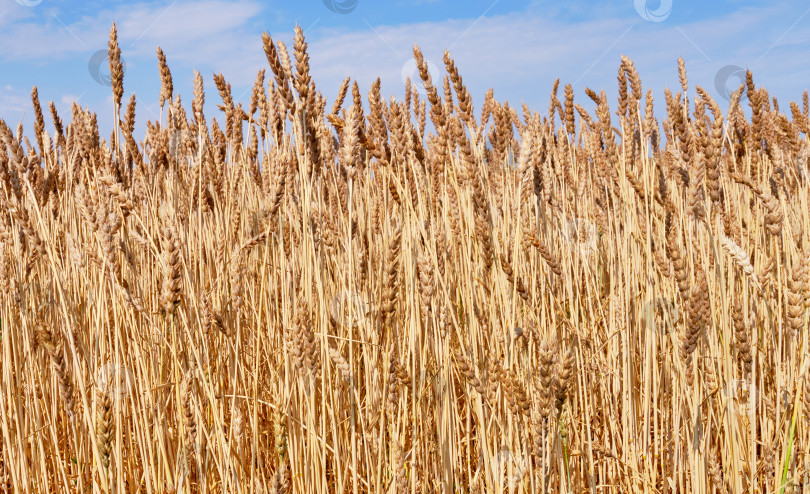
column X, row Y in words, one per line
column 376, row 295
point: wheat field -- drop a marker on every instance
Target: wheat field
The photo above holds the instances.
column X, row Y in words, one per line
column 406, row 296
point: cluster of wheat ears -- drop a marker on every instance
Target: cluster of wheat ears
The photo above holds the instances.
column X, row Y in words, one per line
column 293, row 297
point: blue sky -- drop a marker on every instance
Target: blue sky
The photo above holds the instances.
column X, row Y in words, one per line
column 517, row 47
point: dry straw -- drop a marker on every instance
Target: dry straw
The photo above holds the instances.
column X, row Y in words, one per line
column 201, row 257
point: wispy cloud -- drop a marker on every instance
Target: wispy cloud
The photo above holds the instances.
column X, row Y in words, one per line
column 189, row 28
column 13, row 100
column 519, row 53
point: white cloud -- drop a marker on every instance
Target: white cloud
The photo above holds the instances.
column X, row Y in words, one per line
column 13, row 104
column 519, row 54
column 189, row 28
